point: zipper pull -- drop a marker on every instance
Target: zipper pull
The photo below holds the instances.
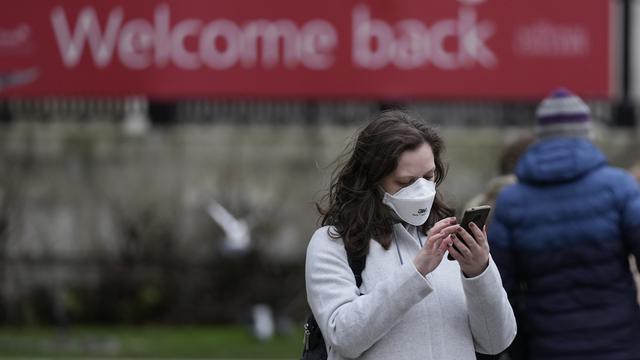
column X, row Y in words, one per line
column 306, row 337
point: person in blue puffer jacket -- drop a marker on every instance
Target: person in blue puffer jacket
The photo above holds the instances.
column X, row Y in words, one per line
column 561, row 237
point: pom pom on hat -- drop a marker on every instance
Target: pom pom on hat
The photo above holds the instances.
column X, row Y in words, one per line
column 563, row 113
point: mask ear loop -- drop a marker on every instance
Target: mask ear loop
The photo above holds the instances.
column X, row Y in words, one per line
column 395, row 240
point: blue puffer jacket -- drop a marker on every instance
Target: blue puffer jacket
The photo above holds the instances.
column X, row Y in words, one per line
column 561, row 238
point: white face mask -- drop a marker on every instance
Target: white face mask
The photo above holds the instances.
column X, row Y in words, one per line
column 413, row 203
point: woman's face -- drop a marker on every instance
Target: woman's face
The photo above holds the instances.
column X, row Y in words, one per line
column 412, row 165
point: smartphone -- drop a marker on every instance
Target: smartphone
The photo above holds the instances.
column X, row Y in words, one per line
column 477, row 215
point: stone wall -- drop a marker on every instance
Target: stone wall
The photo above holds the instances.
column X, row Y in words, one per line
column 74, row 195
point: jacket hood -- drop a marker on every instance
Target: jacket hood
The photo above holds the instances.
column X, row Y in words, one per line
column 559, row 160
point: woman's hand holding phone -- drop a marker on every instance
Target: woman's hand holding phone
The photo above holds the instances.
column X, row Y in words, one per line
column 472, row 252
column 439, row 238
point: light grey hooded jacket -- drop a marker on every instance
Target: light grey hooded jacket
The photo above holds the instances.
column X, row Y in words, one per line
column 399, row 314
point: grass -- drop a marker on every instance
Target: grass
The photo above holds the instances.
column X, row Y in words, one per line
column 145, row 342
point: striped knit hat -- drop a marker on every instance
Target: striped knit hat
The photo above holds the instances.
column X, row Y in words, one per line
column 563, row 113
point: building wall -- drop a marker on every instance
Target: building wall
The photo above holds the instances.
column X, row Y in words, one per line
column 75, row 195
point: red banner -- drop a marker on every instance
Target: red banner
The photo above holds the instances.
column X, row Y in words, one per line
column 331, row 49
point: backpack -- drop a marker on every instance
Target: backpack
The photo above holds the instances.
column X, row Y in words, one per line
column 314, row 346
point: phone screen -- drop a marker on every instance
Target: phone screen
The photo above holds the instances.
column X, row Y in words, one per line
column 477, row 215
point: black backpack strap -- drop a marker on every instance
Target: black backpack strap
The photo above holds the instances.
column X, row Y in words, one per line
column 314, row 345
column 357, row 265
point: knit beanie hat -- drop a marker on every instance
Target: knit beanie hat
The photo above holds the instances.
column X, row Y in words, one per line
column 563, row 113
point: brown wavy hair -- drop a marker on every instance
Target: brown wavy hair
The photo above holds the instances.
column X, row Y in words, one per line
column 355, row 208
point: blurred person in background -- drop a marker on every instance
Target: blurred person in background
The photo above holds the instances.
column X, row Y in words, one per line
column 506, row 176
column 561, row 237
column 506, row 171
column 383, row 205
column 636, row 274
column 635, row 171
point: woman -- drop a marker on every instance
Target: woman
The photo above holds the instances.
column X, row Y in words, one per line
column 382, row 204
